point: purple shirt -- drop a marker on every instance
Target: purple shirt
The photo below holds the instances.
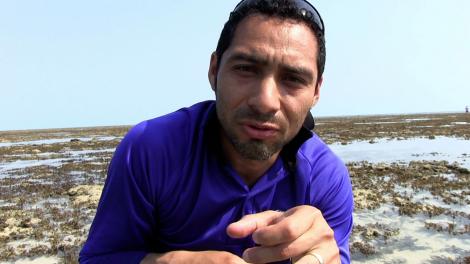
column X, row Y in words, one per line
column 170, row 188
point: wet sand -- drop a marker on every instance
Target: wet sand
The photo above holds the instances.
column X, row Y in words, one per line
column 410, row 176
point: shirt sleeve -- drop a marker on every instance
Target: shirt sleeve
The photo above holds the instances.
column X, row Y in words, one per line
column 335, row 200
column 121, row 230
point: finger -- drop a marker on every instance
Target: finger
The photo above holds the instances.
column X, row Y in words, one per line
column 250, row 223
column 209, row 257
column 283, row 251
column 330, row 256
column 306, row 259
column 291, row 226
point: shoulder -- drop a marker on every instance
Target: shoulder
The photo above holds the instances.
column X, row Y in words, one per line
column 172, row 130
column 154, row 151
column 314, row 153
column 324, row 170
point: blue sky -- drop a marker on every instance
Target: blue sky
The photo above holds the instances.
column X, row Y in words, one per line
column 93, row 63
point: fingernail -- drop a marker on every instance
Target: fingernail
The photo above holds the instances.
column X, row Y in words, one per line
column 246, row 256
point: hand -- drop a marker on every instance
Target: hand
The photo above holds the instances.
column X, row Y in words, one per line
column 193, row 257
column 283, row 235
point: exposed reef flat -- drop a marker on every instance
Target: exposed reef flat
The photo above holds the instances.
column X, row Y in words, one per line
column 410, row 176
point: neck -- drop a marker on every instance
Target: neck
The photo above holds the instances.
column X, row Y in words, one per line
column 249, row 170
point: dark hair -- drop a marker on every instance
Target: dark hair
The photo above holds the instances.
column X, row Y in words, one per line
column 284, row 9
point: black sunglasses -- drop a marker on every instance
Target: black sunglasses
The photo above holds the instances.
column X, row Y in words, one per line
column 306, row 9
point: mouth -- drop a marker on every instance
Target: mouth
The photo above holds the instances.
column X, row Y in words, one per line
column 261, row 131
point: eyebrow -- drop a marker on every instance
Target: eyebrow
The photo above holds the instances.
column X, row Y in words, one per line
column 253, row 58
column 301, row 71
column 259, row 60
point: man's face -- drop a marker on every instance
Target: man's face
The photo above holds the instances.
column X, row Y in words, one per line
column 265, row 84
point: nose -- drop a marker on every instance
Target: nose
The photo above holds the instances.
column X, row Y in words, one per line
column 265, row 97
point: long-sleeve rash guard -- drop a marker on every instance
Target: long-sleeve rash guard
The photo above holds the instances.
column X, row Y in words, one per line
column 169, row 187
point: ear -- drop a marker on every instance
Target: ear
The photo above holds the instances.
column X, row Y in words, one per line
column 212, row 74
column 316, row 96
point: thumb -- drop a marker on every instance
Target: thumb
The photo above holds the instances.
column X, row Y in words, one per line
column 250, row 223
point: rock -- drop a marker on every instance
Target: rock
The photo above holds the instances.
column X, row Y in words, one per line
column 25, row 223
column 29, row 222
column 370, row 233
column 85, row 195
column 35, row 222
column 367, row 199
column 440, row 226
column 363, row 247
column 382, row 167
column 75, row 140
column 440, row 168
column 36, row 151
column 398, row 201
column 12, row 222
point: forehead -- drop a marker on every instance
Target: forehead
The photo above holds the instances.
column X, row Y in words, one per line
column 275, row 38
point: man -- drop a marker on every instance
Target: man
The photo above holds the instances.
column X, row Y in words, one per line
column 238, row 180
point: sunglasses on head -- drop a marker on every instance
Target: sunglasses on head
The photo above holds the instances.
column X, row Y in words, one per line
column 306, row 9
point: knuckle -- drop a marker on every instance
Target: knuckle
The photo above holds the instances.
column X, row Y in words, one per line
column 229, row 258
column 336, row 257
column 232, row 261
column 314, row 209
column 317, row 213
column 246, row 217
column 286, row 252
column 327, row 233
column 330, row 233
column 336, row 253
column 290, row 231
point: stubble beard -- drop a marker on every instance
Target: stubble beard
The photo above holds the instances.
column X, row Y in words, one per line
column 251, row 149
column 254, row 149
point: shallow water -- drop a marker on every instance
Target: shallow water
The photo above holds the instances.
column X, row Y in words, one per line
column 53, row 141
column 426, row 197
column 38, row 260
column 77, row 155
column 414, row 243
column 388, row 151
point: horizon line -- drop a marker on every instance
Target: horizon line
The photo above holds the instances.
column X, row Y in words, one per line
column 315, row 117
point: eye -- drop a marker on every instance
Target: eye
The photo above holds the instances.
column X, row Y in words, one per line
column 294, row 80
column 245, row 68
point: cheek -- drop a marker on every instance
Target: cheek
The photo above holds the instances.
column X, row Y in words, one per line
column 300, row 102
column 226, row 103
column 230, row 96
column 297, row 112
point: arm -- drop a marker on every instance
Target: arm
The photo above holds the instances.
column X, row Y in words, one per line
column 122, row 228
column 200, row 257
